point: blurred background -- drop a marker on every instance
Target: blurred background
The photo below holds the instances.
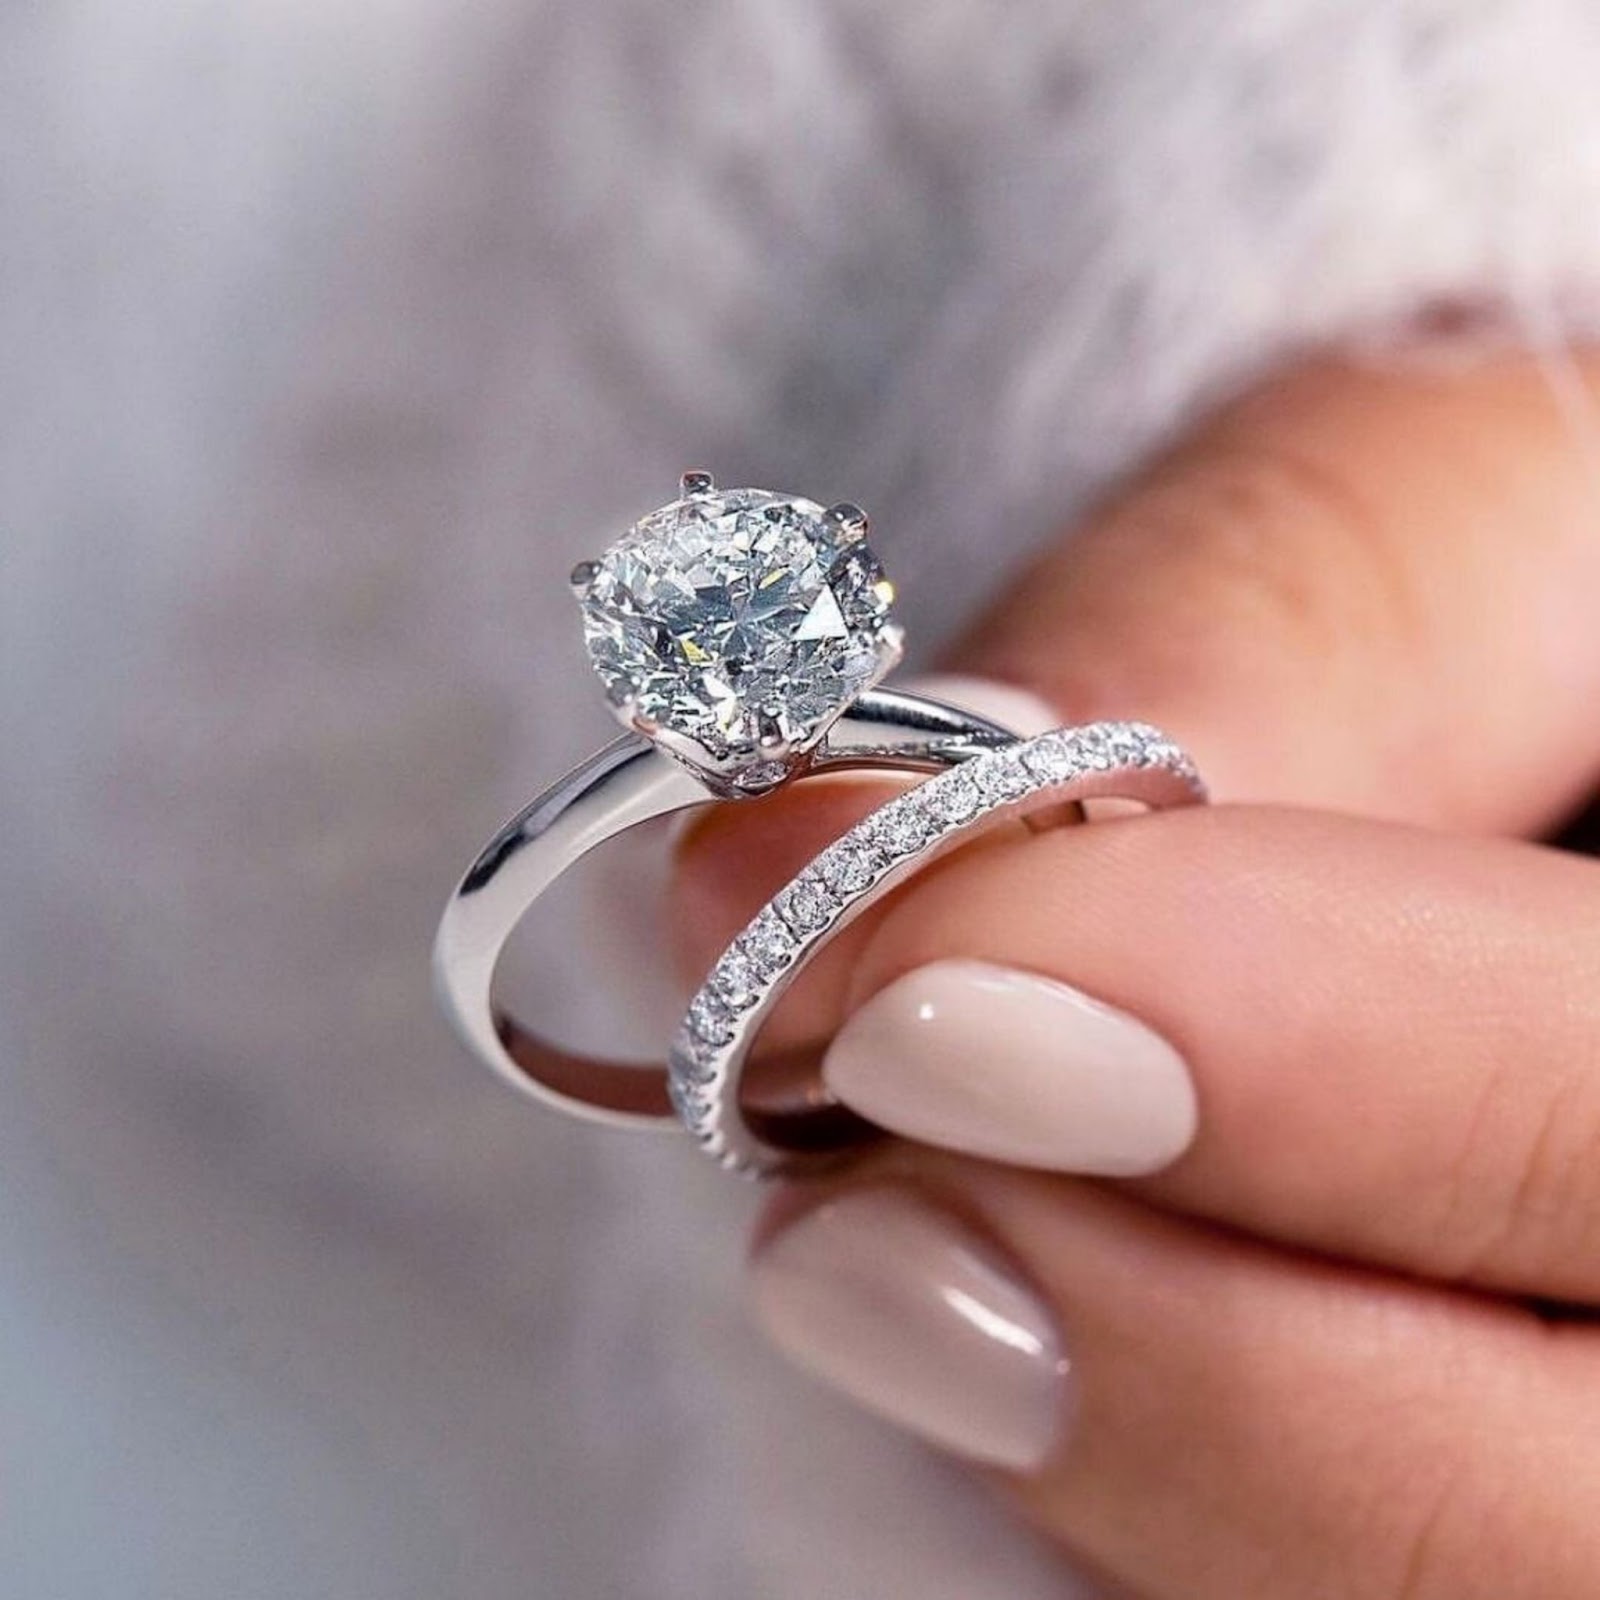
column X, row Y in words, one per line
column 330, row 336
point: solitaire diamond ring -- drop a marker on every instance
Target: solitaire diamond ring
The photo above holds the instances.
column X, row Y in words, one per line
column 740, row 637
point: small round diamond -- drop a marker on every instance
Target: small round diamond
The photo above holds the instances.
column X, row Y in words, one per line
column 955, row 796
column 1094, row 750
column 848, row 867
column 768, row 942
column 691, row 1058
column 760, row 775
column 999, row 778
column 902, row 826
column 689, row 1100
column 733, row 614
column 735, row 978
column 806, row 905
column 1051, row 758
column 1125, row 746
column 709, row 1018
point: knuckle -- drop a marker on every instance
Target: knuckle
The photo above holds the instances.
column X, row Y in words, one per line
column 1290, row 542
column 1522, row 1189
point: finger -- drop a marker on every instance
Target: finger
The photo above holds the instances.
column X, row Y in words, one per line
column 1355, row 588
column 734, row 855
column 1357, row 1037
column 1199, row 1417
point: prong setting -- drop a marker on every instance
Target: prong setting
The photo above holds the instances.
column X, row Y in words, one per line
column 852, row 520
column 892, row 645
column 772, row 740
column 733, row 627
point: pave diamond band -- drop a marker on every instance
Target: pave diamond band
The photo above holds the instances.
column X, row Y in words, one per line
column 1105, row 760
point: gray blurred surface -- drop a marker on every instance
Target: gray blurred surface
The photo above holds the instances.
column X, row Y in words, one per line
column 332, row 334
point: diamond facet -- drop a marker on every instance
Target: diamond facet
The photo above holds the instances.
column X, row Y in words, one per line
column 740, row 619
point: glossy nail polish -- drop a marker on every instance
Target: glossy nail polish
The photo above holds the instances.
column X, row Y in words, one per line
column 1017, row 1068
column 904, row 1308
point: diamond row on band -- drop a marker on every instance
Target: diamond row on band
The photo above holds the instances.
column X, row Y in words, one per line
column 877, row 852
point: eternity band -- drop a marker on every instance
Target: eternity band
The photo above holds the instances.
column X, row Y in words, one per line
column 800, row 1127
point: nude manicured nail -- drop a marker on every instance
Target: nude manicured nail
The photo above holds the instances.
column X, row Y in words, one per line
column 1017, row 1068
column 911, row 1314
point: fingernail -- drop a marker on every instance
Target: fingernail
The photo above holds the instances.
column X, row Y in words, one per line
column 918, row 1319
column 1017, row 1068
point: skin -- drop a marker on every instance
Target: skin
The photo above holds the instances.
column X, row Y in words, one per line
column 1341, row 1346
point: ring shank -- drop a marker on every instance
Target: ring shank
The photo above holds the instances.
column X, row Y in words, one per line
column 627, row 783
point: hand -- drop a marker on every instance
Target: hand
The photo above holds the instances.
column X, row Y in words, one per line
column 1250, row 1150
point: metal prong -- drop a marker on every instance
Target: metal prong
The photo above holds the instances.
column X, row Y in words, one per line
column 770, row 737
column 583, row 575
column 697, row 483
column 892, row 642
column 851, row 518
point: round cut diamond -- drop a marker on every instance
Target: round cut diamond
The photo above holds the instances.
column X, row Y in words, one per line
column 954, row 796
column 768, row 942
column 709, row 1018
column 1052, row 757
column 1000, row 777
column 690, row 1058
column 806, row 905
column 736, row 978
column 902, row 826
column 737, row 618
column 848, row 867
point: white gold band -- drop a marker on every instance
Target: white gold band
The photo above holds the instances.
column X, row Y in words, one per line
column 1107, row 760
column 630, row 782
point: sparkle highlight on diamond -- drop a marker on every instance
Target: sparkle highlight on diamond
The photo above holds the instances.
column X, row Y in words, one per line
column 741, row 621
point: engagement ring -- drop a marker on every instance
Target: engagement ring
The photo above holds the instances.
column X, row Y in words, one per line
column 740, row 636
